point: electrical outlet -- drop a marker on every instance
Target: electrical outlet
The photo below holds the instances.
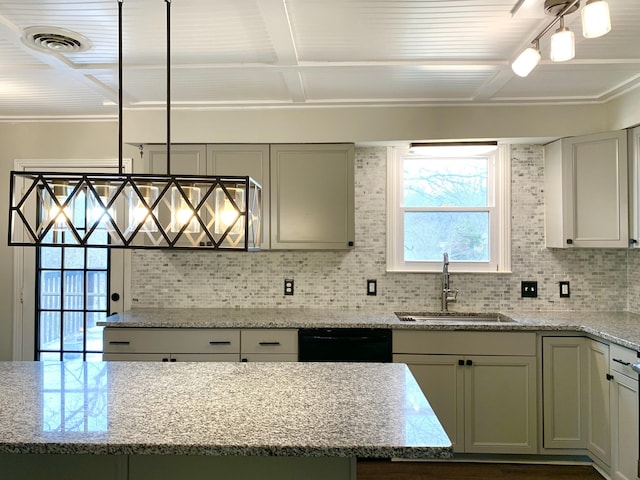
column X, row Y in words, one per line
column 529, row 289
column 288, row 286
column 564, row 289
column 372, row 287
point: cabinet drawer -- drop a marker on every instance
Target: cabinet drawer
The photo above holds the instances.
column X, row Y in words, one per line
column 269, row 341
column 464, row 343
column 171, row 340
column 621, row 359
column 270, row 357
column 165, row 357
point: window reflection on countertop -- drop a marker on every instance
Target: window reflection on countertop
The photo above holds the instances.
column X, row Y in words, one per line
column 74, row 397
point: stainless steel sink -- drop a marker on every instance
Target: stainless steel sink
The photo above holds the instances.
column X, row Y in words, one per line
column 452, row 317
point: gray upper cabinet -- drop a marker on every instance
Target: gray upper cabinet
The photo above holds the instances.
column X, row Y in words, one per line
column 586, row 191
column 634, row 185
column 307, row 190
column 250, row 160
column 312, row 196
column 185, row 159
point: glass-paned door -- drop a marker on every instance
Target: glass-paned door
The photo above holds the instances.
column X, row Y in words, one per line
column 72, row 296
column 43, row 277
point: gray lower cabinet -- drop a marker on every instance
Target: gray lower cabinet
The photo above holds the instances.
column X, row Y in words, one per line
column 564, row 384
column 624, row 414
column 200, row 345
column 482, row 386
column 590, row 402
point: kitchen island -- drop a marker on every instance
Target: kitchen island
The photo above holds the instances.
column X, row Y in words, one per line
column 141, row 421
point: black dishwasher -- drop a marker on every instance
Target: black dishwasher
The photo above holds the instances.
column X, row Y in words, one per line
column 344, row 345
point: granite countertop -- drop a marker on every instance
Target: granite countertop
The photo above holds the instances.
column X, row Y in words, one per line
column 618, row 327
column 240, row 409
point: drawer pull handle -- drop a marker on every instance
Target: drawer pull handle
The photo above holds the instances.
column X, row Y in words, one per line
column 269, row 343
column 220, row 343
column 622, row 362
column 119, row 343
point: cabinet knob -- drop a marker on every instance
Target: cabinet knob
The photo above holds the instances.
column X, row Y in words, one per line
column 469, row 363
column 569, row 241
column 115, row 297
column 461, row 362
column 609, row 377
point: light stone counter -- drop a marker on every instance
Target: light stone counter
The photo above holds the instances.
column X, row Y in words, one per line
column 216, row 409
column 618, row 327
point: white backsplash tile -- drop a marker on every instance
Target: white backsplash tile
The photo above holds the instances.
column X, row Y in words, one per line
column 338, row 279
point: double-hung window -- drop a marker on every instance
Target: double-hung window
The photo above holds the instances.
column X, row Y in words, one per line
column 448, row 200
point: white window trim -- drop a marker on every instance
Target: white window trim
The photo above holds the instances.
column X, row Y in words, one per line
column 502, row 245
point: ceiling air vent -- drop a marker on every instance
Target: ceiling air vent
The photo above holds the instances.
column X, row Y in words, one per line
column 55, row 40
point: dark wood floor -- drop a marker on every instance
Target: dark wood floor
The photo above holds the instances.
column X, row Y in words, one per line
column 387, row 470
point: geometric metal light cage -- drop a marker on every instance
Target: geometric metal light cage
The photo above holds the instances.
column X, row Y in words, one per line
column 135, row 210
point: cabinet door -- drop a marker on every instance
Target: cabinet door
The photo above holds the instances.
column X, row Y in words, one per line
column 312, row 196
column 135, row 357
column 166, row 357
column 269, row 357
column 586, row 191
column 500, row 404
column 564, row 400
column 185, row 159
column 624, row 427
column 634, row 182
column 244, row 160
column 599, row 437
column 441, row 379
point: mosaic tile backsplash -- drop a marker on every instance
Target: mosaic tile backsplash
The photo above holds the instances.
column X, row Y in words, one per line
column 324, row 279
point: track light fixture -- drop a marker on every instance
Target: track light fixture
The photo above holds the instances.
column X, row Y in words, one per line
column 595, row 23
column 563, row 44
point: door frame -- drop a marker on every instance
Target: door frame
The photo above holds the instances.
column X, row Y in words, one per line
column 23, row 261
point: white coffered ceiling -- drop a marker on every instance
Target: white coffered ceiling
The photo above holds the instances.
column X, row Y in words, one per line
column 298, row 53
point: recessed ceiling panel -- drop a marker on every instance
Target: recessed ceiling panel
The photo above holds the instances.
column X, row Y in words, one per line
column 397, row 83
column 48, row 93
column 203, row 86
column 582, row 83
column 368, row 30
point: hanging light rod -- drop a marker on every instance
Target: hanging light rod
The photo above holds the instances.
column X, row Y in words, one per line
column 595, row 22
column 135, row 210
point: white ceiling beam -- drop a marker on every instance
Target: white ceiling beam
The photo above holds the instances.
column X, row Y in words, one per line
column 278, row 25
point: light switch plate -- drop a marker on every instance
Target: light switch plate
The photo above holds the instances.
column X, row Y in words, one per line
column 565, row 292
column 372, row 287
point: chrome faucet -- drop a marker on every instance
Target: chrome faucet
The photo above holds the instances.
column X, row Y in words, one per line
column 448, row 295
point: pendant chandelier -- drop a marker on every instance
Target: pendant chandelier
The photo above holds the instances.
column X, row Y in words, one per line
column 135, row 210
